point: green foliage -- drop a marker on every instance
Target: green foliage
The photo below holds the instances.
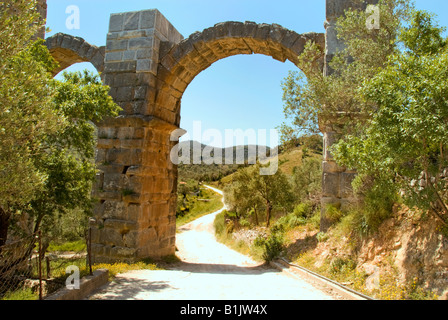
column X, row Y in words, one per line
column 193, row 205
column 333, row 213
column 26, row 114
column 298, row 217
column 251, row 192
column 389, row 85
column 341, row 265
column 73, row 246
column 204, row 172
column 312, row 97
column 17, row 29
column 68, row 161
column 220, row 223
column 322, row 237
column 26, row 119
column 69, row 227
column 273, row 245
column 402, row 146
column 307, row 180
column 23, row 294
column 290, row 221
column 422, row 36
column 315, row 219
column 46, row 127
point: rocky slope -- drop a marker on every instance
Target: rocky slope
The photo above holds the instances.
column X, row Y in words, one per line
column 408, row 249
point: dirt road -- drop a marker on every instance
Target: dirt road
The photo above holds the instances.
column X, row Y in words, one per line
column 208, row 271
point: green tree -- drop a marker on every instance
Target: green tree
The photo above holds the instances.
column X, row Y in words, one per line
column 307, row 180
column 241, row 200
column 314, row 101
column 403, row 146
column 68, row 161
column 27, row 115
column 252, row 189
column 312, row 98
column 46, row 126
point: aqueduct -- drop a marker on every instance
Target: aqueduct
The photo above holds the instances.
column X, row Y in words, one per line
column 148, row 65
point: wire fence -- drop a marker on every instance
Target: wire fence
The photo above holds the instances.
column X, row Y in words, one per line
column 18, row 265
column 26, row 267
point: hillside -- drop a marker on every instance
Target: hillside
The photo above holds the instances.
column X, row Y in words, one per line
column 198, row 162
column 405, row 258
column 200, row 166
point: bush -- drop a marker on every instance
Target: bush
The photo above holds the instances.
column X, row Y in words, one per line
column 315, row 219
column 220, row 223
column 379, row 197
column 322, row 237
column 273, row 245
column 333, row 214
column 290, row 221
column 303, row 210
column 340, row 265
column 296, row 218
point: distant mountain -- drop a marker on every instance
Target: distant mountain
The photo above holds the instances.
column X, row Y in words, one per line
column 193, row 152
column 205, row 163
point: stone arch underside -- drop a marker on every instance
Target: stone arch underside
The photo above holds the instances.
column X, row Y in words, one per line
column 148, row 66
column 68, row 50
column 181, row 63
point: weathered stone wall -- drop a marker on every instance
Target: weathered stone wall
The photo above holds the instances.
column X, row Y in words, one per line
column 148, row 66
column 336, row 180
column 68, row 50
column 42, row 9
column 135, row 217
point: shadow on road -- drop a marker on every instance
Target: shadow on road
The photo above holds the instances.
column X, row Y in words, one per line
column 221, row 268
column 129, row 288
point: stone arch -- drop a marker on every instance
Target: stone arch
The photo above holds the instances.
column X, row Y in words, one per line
column 148, row 67
column 181, row 63
column 68, row 50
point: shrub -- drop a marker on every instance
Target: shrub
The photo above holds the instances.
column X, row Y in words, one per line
column 333, row 214
column 297, row 218
column 322, row 237
column 341, row 265
column 315, row 219
column 273, row 245
column 244, row 223
column 303, row 210
column 220, row 223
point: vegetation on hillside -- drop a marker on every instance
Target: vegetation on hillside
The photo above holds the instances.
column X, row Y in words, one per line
column 389, row 87
column 47, row 136
column 204, row 163
column 194, row 201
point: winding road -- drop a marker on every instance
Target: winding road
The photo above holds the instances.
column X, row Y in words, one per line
column 208, row 270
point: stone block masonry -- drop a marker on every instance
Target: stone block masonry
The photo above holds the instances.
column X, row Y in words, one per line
column 135, row 215
column 148, row 65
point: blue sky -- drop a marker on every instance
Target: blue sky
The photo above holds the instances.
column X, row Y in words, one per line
column 240, row 92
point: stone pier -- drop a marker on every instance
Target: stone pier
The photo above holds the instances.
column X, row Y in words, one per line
column 148, row 65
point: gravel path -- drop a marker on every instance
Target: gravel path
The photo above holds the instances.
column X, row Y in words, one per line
column 208, row 271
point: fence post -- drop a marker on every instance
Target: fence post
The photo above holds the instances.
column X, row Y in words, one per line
column 47, row 259
column 39, row 259
column 89, row 250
